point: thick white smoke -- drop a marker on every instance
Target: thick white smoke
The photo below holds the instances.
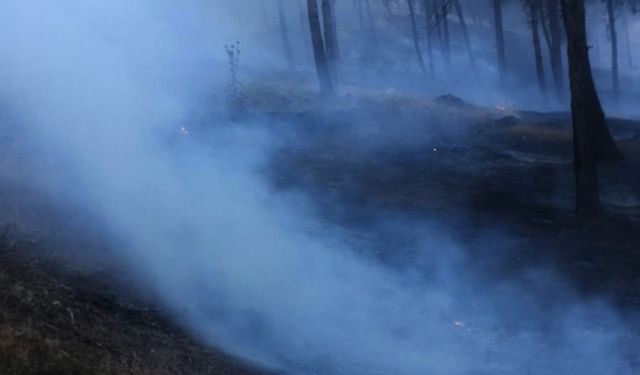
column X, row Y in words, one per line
column 100, row 86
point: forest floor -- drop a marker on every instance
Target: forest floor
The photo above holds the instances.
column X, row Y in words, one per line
column 480, row 171
column 56, row 322
column 494, row 176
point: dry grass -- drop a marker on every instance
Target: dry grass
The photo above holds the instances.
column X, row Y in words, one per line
column 48, row 327
column 541, row 133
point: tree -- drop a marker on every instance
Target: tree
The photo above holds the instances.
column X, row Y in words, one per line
column 444, row 18
column 427, row 14
column 334, row 29
column 543, row 26
column 465, row 35
column 414, row 31
column 627, row 41
column 555, row 45
column 284, row 34
column 592, row 140
column 439, row 10
column 330, row 36
column 613, row 36
column 357, row 4
column 437, row 23
column 362, row 6
column 319, row 53
column 533, row 10
column 499, row 29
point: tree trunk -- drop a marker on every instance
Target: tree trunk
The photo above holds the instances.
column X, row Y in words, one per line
column 444, row 8
column 284, row 33
column 592, row 140
column 615, row 75
column 360, row 12
column 303, row 19
column 432, row 69
column 627, row 42
column 319, row 53
column 330, row 42
column 502, row 59
column 416, row 41
column 543, row 24
column 334, row 29
column 555, row 51
column 465, row 35
column 437, row 24
column 534, row 12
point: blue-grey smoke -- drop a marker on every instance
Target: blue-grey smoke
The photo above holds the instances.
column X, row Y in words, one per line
column 104, row 88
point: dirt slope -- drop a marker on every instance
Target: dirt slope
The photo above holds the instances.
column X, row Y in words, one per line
column 48, row 325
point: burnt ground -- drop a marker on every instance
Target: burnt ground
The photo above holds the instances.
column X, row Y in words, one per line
column 54, row 321
column 67, row 306
column 500, row 182
column 495, row 177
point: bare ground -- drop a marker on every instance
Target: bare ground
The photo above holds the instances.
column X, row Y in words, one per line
column 486, row 175
column 52, row 322
column 478, row 171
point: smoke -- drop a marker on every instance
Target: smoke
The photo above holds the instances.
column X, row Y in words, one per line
column 103, row 89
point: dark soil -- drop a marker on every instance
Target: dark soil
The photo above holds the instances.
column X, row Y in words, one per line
column 52, row 322
column 489, row 178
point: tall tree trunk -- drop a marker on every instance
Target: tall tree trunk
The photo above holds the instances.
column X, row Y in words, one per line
column 334, row 29
column 627, row 42
column 437, row 22
column 499, row 28
column 360, row 12
column 555, row 51
column 543, row 24
column 592, row 140
column 284, row 33
column 303, row 18
column 534, row 12
column 444, row 8
column 319, row 53
column 330, row 42
column 416, row 41
column 465, row 35
column 615, row 75
column 432, row 68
